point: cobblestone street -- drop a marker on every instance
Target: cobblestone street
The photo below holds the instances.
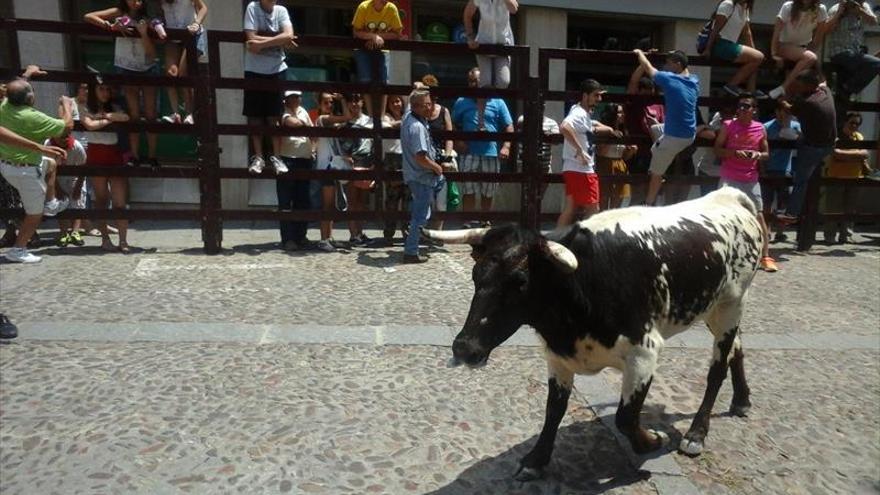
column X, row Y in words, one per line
column 260, row 371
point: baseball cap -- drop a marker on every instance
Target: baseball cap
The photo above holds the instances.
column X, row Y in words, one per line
column 292, row 92
column 591, row 85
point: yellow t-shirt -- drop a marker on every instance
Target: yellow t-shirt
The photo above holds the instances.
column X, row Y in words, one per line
column 366, row 18
column 845, row 169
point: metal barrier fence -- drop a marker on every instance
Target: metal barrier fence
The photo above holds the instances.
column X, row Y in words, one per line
column 206, row 80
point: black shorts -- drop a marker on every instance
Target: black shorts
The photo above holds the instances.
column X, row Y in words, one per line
column 263, row 103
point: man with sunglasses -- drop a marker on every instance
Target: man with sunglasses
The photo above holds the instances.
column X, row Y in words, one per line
column 843, row 164
column 741, row 144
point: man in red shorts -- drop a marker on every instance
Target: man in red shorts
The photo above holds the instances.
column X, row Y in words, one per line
column 579, row 155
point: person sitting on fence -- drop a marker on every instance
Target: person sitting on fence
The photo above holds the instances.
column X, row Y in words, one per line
column 680, row 91
column 741, row 144
column 30, row 173
column 784, row 127
column 494, row 29
column 481, row 156
column 844, row 163
column 358, row 153
column 269, row 31
column 296, row 152
column 375, row 21
column 395, row 192
column 104, row 152
column 181, row 14
column 421, row 172
column 642, row 119
column 846, row 36
column 732, row 24
column 549, row 127
column 611, row 160
column 579, row 155
column 813, row 105
column 133, row 56
column 332, row 114
column 797, row 35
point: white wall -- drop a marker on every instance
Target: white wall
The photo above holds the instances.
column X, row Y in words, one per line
column 44, row 49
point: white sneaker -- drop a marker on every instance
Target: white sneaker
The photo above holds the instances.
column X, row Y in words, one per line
column 189, row 120
column 257, row 165
column 21, row 255
column 278, row 165
column 54, row 207
column 776, row 92
column 174, row 118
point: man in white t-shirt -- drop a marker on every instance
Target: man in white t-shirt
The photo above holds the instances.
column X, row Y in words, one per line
column 269, row 32
column 296, row 153
column 732, row 25
column 579, row 155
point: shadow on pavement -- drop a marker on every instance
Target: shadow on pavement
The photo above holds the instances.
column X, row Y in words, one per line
column 586, row 460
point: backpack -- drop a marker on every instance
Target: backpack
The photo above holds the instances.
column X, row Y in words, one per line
column 706, row 31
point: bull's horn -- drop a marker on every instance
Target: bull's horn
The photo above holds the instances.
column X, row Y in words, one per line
column 562, row 256
column 465, row 236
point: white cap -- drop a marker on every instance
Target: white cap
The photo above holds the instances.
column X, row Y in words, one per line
column 292, row 92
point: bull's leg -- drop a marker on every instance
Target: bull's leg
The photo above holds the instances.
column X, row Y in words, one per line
column 531, row 467
column 637, row 376
column 724, row 326
column 740, row 404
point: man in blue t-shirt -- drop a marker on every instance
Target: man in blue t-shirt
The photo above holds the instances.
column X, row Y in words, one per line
column 785, row 127
column 680, row 91
column 481, row 156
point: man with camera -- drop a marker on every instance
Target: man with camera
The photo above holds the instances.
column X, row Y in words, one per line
column 846, row 37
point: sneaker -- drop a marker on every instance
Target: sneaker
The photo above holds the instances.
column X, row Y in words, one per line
column 780, row 237
column 132, row 161
column 290, row 246
column 8, row 330
column 174, row 118
column 411, row 259
column 761, row 95
column 768, row 264
column 257, row 165
column 64, row 240
column 360, row 241
column 94, row 233
column 325, row 245
column 875, row 175
column 278, row 165
column 54, row 207
column 776, row 92
column 786, row 218
column 21, row 255
column 732, row 90
column 76, row 239
column 189, row 120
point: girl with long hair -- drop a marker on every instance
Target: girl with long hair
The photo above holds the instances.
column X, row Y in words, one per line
column 797, row 36
column 732, row 40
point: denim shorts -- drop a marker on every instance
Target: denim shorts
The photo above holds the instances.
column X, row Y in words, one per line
column 152, row 71
column 726, row 49
column 362, row 62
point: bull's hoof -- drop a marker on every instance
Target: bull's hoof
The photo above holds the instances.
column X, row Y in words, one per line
column 525, row 473
column 741, row 410
column 662, row 437
column 692, row 448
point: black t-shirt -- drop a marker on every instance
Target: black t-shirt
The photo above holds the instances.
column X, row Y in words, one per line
column 817, row 117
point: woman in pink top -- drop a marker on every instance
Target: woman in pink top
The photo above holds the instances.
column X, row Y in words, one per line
column 740, row 144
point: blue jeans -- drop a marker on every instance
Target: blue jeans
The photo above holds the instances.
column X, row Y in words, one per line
column 294, row 195
column 363, row 60
column 859, row 70
column 422, row 197
column 809, row 158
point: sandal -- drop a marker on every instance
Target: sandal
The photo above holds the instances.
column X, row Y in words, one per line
column 124, row 249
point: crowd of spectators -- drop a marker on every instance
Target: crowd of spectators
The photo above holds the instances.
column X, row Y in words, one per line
column 802, row 110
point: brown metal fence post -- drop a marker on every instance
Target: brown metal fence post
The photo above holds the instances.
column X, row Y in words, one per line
column 205, row 101
column 532, row 138
column 376, row 83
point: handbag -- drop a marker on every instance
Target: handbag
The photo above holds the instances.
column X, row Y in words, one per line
column 706, row 31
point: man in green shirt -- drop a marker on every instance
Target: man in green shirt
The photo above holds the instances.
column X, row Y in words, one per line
column 28, row 171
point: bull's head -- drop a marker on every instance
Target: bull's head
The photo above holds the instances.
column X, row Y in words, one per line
column 503, row 259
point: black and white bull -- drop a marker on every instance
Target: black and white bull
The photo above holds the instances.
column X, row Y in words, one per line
column 608, row 291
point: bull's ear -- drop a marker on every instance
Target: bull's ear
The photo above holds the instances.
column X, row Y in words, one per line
column 477, row 251
column 559, row 255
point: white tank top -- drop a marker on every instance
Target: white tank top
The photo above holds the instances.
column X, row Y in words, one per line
column 178, row 14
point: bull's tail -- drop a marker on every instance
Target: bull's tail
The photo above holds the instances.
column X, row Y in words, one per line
column 739, row 197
